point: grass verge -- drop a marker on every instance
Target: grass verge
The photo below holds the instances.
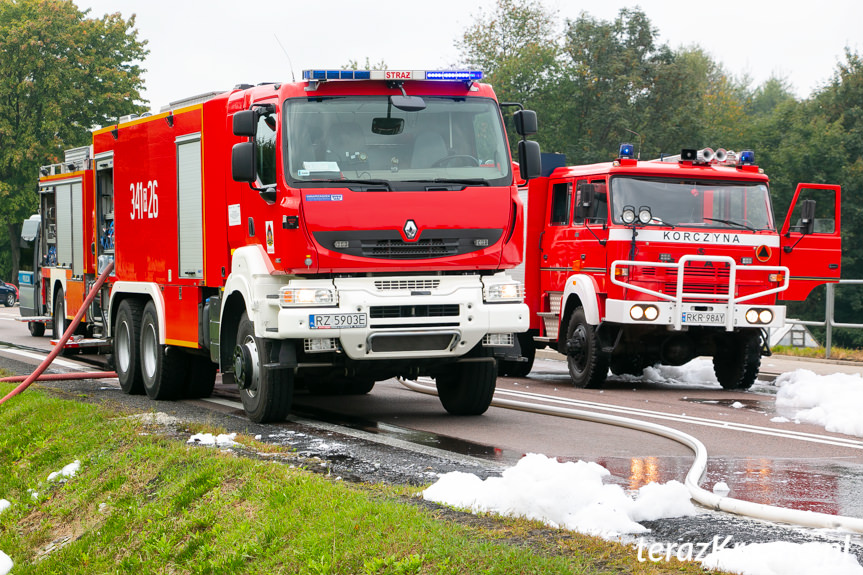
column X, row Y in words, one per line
column 820, row 352
column 146, row 502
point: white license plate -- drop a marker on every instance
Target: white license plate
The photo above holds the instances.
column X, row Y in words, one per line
column 703, row 318
column 336, row 320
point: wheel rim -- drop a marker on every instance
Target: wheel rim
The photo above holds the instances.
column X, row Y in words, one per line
column 10, row 300
column 149, row 349
column 576, row 348
column 246, row 367
column 123, row 353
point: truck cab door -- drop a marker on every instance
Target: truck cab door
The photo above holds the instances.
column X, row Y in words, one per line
column 555, row 246
column 810, row 240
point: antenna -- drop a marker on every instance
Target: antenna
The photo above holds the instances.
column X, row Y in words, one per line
column 290, row 64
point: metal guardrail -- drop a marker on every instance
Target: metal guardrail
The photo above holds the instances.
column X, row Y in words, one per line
column 829, row 322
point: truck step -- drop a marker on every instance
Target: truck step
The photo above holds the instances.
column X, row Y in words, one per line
column 35, row 319
column 79, row 342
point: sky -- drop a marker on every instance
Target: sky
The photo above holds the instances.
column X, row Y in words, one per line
column 579, row 496
column 201, row 46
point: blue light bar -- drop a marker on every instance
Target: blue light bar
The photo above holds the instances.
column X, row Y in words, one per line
column 336, row 74
column 435, row 75
column 626, row 151
column 746, row 157
column 455, row 75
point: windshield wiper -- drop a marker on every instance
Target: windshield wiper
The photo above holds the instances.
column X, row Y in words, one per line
column 465, row 181
column 730, row 223
column 384, row 183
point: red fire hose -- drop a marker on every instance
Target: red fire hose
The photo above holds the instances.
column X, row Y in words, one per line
column 60, row 344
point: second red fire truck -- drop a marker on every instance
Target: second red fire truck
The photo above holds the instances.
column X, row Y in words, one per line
column 631, row 263
column 334, row 232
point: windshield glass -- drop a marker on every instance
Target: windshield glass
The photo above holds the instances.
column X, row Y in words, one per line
column 710, row 204
column 366, row 138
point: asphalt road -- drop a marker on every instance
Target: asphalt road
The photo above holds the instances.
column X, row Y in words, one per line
column 394, row 434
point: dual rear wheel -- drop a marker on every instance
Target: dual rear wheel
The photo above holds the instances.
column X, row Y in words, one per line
column 146, row 366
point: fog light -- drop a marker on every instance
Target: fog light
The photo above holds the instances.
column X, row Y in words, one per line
column 752, row 316
column 651, row 313
column 644, row 215
column 766, row 316
column 636, row 312
column 628, row 215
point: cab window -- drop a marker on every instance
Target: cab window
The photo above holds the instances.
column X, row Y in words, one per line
column 560, row 204
column 265, row 150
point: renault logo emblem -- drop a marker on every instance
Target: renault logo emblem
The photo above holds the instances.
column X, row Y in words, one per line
column 411, row 229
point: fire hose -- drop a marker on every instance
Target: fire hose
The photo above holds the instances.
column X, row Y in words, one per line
column 696, row 471
column 28, row 380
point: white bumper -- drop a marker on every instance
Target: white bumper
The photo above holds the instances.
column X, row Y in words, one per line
column 399, row 317
column 684, row 314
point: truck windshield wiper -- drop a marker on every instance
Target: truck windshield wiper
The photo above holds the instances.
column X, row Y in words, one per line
column 465, row 181
column 384, row 183
column 731, row 223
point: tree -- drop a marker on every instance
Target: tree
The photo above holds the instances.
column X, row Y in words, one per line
column 61, row 73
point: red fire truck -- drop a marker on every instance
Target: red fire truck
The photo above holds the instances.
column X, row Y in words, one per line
column 332, row 232
column 631, row 263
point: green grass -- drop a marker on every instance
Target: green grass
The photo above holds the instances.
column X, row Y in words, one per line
column 145, row 502
column 819, row 352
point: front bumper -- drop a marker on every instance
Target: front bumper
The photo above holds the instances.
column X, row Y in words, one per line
column 402, row 317
column 684, row 314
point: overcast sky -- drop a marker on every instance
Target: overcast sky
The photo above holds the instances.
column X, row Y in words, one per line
column 199, row 46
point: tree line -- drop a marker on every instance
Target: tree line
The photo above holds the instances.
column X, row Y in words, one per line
column 597, row 83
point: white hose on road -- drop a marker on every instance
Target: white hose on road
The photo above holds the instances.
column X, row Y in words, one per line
column 696, row 471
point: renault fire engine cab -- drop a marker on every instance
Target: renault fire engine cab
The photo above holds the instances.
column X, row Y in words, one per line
column 328, row 233
column 631, row 263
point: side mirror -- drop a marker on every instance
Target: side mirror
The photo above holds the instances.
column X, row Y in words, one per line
column 525, row 122
column 586, row 196
column 246, row 123
column 243, row 162
column 529, row 160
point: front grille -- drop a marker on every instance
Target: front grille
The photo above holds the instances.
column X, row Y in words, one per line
column 389, row 244
column 411, row 311
column 398, row 249
column 413, row 285
column 409, row 342
column 706, row 280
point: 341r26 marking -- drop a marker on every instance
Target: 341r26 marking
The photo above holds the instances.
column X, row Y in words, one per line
column 145, row 199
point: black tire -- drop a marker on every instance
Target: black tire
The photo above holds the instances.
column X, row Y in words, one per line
column 266, row 393
column 201, row 378
column 127, row 335
column 510, row 368
column 468, row 388
column 738, row 359
column 37, row 328
column 58, row 320
column 588, row 367
column 163, row 368
column 9, row 301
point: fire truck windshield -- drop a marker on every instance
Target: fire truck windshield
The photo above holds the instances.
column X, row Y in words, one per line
column 453, row 140
column 697, row 203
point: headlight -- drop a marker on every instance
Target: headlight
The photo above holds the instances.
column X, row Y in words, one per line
column 307, row 296
column 644, row 215
column 759, row 315
column 504, row 292
column 642, row 312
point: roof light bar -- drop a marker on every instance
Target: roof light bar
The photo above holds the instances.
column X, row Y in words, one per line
column 438, row 75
